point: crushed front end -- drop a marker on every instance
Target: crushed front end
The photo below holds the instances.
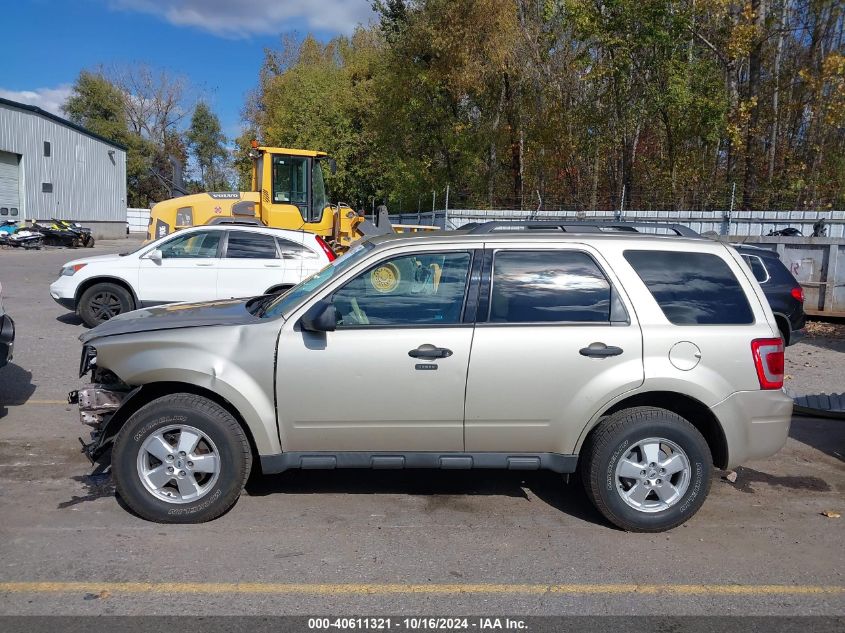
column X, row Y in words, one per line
column 98, row 401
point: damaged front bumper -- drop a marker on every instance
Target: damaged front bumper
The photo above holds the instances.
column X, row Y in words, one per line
column 97, row 405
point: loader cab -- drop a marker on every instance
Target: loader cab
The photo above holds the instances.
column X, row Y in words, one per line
column 292, row 187
column 288, row 192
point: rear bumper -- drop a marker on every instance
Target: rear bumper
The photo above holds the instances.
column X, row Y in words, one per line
column 755, row 423
column 7, row 339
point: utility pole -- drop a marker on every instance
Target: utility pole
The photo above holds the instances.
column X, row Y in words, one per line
column 446, row 213
column 726, row 224
column 621, row 206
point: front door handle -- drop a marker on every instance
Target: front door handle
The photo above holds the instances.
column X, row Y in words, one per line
column 429, row 351
column 272, row 265
column 600, row 350
column 205, row 263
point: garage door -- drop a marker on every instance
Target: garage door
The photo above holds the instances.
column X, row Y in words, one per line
column 9, row 186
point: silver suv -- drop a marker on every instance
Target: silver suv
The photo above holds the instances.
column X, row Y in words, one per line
column 638, row 361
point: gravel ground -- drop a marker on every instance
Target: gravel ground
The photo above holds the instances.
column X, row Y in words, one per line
column 815, row 365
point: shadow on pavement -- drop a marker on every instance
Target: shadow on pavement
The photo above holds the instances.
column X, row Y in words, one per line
column 71, row 318
column 747, row 477
column 443, row 490
column 97, row 486
column 824, row 434
column 15, row 387
column 824, row 342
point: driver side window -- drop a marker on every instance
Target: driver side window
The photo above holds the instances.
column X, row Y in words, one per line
column 194, row 245
column 419, row 289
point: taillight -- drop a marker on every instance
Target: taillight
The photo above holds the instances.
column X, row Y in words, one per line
column 768, row 360
column 326, row 249
column 797, row 294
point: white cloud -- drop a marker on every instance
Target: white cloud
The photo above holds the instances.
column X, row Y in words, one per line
column 49, row 99
column 243, row 18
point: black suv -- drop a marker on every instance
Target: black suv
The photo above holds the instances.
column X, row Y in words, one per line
column 785, row 295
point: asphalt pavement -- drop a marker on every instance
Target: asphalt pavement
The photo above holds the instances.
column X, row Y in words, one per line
column 392, row 542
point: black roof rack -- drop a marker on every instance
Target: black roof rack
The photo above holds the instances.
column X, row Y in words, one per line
column 575, row 226
column 241, row 221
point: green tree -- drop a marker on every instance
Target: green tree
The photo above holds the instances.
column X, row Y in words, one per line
column 98, row 105
column 208, row 147
column 565, row 104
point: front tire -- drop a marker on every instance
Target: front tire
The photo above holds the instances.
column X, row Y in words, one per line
column 181, row 458
column 646, row 469
column 104, row 301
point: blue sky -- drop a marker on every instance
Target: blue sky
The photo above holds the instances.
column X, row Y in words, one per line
column 217, row 45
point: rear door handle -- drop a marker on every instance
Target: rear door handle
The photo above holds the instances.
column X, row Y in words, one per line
column 205, row 263
column 600, row 350
column 272, row 265
column 429, row 351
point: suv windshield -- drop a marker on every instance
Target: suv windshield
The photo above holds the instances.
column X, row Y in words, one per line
column 284, row 302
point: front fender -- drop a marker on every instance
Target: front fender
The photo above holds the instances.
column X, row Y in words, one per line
column 236, row 363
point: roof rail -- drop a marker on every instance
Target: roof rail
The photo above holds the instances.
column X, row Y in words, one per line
column 577, row 226
column 240, row 221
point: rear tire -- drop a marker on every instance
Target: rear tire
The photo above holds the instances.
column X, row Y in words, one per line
column 104, row 301
column 646, row 469
column 181, row 458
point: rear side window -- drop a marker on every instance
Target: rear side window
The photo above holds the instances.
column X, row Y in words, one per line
column 692, row 288
column 243, row 245
column 548, row 287
column 757, row 267
column 293, row 250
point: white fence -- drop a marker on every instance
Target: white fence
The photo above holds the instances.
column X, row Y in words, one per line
column 138, row 220
column 747, row 223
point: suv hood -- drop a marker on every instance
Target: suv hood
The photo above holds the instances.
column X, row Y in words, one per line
column 96, row 259
column 175, row 316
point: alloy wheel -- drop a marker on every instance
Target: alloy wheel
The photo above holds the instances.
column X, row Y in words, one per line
column 178, row 464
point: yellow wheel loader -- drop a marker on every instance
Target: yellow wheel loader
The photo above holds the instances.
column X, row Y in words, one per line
column 288, row 192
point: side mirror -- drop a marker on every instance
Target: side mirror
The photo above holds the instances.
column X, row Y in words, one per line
column 333, row 166
column 155, row 255
column 321, row 317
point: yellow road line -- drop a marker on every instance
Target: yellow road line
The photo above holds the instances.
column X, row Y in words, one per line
column 398, row 588
column 20, row 404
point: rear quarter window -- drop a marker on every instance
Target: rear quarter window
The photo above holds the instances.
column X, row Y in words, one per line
column 692, row 288
column 761, row 274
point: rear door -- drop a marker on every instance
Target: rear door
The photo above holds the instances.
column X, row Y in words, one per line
column 300, row 260
column 555, row 339
column 187, row 270
column 251, row 265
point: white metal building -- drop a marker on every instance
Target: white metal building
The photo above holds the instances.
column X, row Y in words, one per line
column 52, row 168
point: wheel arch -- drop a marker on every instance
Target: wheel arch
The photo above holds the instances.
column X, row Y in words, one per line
column 689, row 408
column 93, row 281
column 784, row 326
column 149, row 392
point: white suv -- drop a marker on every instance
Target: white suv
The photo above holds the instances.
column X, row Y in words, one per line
column 197, row 264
